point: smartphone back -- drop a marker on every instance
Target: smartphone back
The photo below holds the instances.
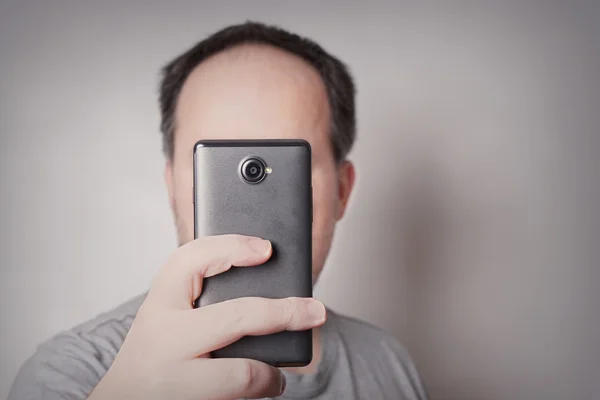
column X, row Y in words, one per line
column 277, row 208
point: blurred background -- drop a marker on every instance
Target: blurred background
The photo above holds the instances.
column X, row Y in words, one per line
column 473, row 233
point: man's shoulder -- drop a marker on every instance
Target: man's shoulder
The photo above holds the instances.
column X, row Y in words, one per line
column 361, row 334
column 120, row 318
column 373, row 351
column 72, row 362
column 100, row 335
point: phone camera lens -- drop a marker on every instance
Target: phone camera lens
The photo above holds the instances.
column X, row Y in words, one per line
column 253, row 170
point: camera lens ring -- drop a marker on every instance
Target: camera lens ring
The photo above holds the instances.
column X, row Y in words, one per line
column 253, row 169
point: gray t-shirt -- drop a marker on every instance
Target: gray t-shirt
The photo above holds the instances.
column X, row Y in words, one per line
column 359, row 361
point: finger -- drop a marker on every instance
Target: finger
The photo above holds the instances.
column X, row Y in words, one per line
column 217, row 325
column 220, row 379
column 179, row 282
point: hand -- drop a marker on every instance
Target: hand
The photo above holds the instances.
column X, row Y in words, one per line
column 165, row 354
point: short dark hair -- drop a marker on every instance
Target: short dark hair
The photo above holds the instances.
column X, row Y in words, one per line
column 335, row 75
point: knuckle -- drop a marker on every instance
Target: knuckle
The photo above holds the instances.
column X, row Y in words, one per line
column 239, row 239
column 235, row 315
column 231, row 239
column 245, row 375
column 288, row 311
column 242, row 244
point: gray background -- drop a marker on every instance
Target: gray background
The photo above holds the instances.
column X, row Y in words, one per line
column 473, row 231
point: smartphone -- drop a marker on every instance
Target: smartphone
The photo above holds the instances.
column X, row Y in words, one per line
column 259, row 188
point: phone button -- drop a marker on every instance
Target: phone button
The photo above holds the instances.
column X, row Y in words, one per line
column 311, row 204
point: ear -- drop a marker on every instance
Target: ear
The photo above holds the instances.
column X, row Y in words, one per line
column 169, row 183
column 346, row 177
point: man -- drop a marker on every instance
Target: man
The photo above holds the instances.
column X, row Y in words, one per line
column 246, row 81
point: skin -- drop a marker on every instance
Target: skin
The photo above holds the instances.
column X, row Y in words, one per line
column 259, row 92
column 247, row 92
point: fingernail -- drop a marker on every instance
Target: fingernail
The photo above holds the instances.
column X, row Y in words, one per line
column 316, row 310
column 283, row 383
column 261, row 246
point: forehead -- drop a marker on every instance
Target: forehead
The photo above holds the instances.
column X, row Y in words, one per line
column 253, row 91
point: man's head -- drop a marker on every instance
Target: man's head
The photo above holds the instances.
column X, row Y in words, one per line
column 253, row 81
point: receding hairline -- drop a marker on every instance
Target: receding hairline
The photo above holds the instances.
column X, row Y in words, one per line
column 331, row 72
column 257, row 51
column 261, row 51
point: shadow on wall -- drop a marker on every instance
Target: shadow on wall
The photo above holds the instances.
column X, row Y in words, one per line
column 497, row 293
column 436, row 323
column 418, row 217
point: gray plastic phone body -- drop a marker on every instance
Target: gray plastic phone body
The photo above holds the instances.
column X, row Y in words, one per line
column 278, row 208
